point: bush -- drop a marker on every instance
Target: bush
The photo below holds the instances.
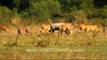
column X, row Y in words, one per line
column 43, row 9
column 5, row 15
column 80, row 16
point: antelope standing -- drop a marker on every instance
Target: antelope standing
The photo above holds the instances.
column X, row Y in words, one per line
column 4, row 28
column 67, row 28
column 45, row 28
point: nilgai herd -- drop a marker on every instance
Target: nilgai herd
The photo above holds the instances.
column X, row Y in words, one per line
column 66, row 28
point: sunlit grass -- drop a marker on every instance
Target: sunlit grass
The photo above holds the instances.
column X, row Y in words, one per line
column 93, row 47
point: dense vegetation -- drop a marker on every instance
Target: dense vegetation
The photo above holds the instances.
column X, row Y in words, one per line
column 40, row 10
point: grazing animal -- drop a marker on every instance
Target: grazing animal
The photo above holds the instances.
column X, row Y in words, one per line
column 67, row 28
column 82, row 27
column 26, row 30
column 96, row 29
column 45, row 28
column 89, row 28
column 30, row 30
column 99, row 30
column 55, row 26
column 4, row 28
column 21, row 30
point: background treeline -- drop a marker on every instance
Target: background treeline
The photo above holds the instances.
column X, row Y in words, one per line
column 37, row 11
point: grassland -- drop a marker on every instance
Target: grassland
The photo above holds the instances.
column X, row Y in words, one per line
column 53, row 46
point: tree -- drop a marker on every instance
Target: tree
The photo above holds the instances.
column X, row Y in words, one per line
column 43, row 9
column 104, row 11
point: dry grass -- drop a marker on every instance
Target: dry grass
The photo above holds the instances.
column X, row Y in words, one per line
column 81, row 46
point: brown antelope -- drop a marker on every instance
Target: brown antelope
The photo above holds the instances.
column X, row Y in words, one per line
column 99, row 30
column 4, row 28
column 26, row 30
column 90, row 28
column 30, row 30
column 45, row 28
column 82, row 27
column 67, row 28
column 21, row 30
column 96, row 29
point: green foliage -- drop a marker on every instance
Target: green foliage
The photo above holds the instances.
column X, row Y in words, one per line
column 105, row 11
column 88, row 7
column 67, row 4
column 54, row 9
column 79, row 16
column 43, row 9
column 5, row 15
column 16, row 4
column 4, row 11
